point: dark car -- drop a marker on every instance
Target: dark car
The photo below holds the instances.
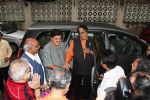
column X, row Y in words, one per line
column 105, row 36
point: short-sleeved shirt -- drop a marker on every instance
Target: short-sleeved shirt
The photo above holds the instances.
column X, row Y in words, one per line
column 111, row 78
column 52, row 56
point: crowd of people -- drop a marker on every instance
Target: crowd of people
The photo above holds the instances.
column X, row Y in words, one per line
column 26, row 78
column 116, row 85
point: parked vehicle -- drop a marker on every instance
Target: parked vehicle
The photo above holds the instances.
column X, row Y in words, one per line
column 125, row 45
column 12, row 35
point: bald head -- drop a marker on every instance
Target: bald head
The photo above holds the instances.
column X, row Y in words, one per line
column 30, row 41
column 31, row 45
column 17, row 69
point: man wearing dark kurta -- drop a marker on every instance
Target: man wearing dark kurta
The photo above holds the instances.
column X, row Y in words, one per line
column 81, row 51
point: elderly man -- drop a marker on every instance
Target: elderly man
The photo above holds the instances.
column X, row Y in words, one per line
column 59, row 82
column 5, row 54
column 80, row 51
column 17, row 86
column 31, row 48
column 53, row 53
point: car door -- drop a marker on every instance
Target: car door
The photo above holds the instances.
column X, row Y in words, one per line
column 125, row 46
column 98, row 47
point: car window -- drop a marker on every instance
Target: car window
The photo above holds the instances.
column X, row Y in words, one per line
column 99, row 44
column 123, row 45
column 76, row 34
column 44, row 37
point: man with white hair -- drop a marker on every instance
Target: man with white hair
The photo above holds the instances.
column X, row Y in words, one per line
column 59, row 82
column 17, row 86
column 31, row 48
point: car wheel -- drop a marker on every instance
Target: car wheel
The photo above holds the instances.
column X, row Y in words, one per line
column 14, row 47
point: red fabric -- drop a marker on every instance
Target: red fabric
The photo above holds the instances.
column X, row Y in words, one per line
column 18, row 91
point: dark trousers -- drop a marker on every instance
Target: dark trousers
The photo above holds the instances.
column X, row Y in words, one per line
column 77, row 82
column 3, row 76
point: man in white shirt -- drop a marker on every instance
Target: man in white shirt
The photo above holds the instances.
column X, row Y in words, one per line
column 113, row 72
column 31, row 48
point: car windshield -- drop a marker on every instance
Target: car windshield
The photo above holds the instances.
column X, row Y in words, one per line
column 8, row 28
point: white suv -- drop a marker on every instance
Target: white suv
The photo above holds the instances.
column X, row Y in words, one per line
column 12, row 35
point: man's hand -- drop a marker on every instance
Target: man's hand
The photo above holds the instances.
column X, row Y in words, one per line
column 52, row 66
column 43, row 87
column 6, row 59
column 66, row 66
column 86, row 50
column 35, row 82
column 101, row 76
